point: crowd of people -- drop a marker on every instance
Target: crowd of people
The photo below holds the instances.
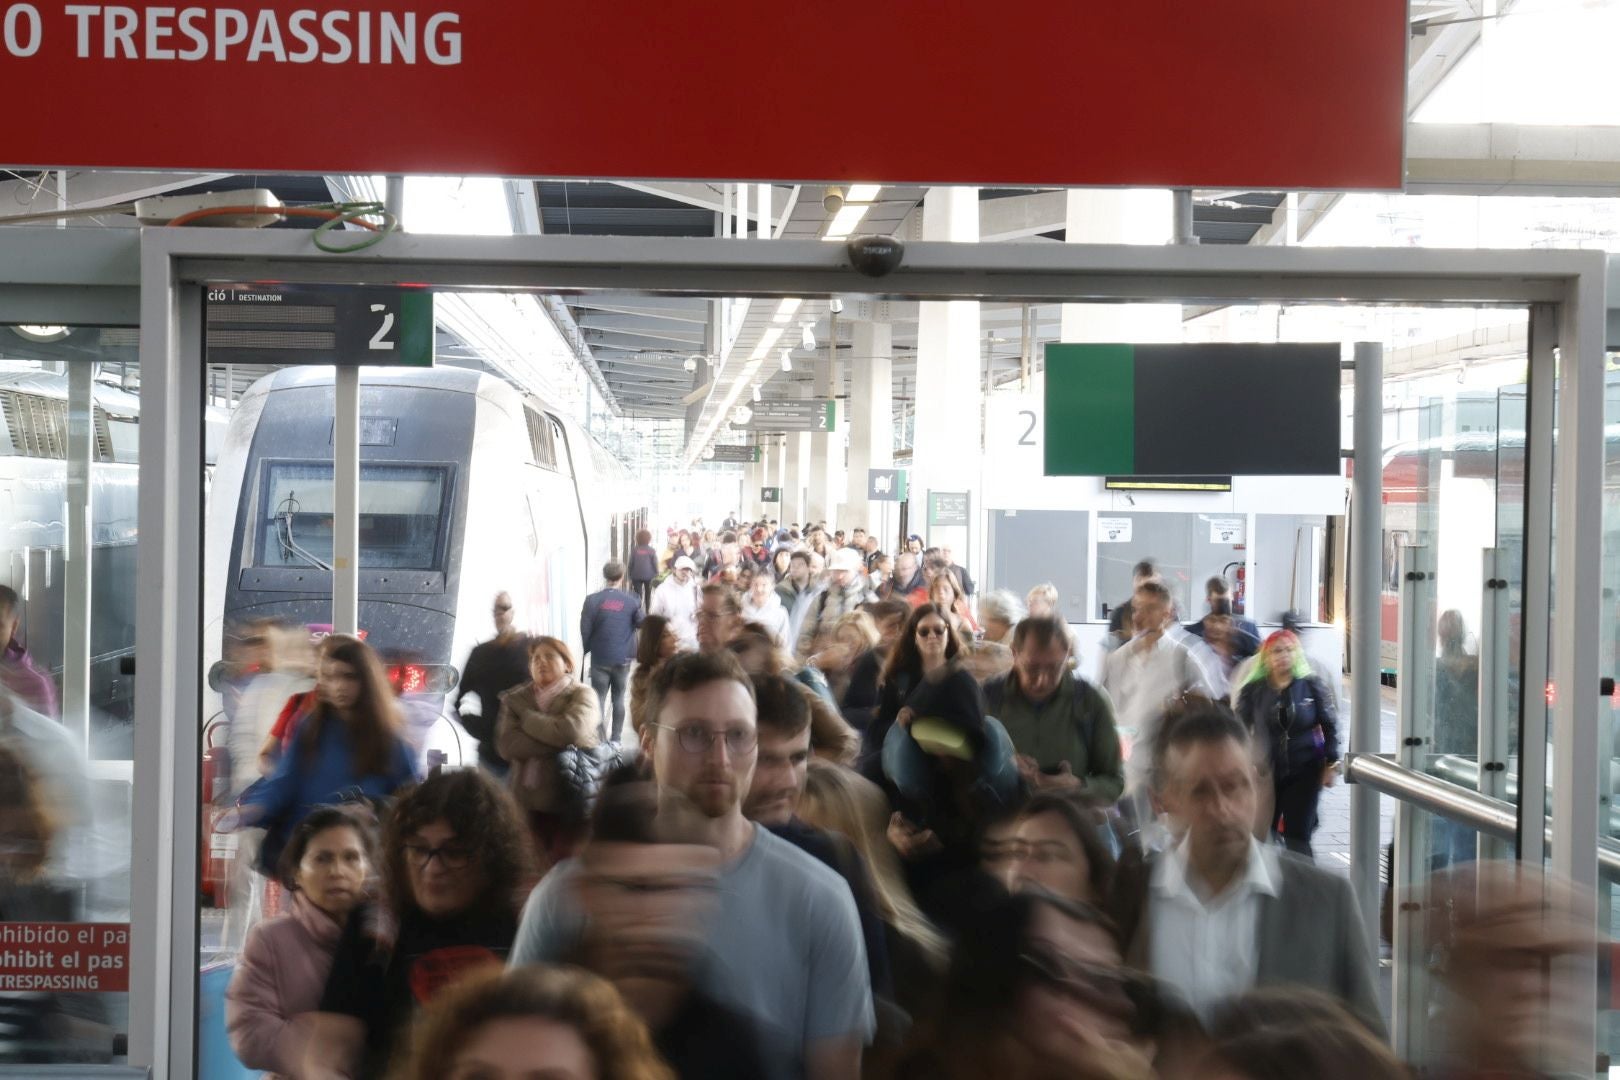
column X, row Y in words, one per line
column 800, row 809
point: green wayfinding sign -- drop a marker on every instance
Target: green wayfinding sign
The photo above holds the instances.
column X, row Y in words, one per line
column 343, row 325
column 1192, row 410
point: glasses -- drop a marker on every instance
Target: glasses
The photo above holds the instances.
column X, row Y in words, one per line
column 937, row 631
column 450, row 856
column 699, row 740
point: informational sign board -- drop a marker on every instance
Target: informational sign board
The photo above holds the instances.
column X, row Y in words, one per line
column 1113, row 530
column 886, row 485
column 55, row 957
column 735, row 455
column 1228, row 530
column 1180, row 410
column 343, row 325
column 948, row 508
column 770, row 494
column 810, row 414
column 446, row 68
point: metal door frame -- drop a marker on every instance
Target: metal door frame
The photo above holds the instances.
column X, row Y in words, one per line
column 1569, row 286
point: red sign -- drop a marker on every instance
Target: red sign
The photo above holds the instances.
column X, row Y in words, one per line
column 1245, row 93
column 64, row 957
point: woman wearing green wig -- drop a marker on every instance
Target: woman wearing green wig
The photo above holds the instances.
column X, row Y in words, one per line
column 1290, row 712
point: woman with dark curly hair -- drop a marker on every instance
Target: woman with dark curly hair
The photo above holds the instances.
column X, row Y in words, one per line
column 454, row 855
column 534, row 1021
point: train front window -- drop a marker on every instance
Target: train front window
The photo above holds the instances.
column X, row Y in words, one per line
column 400, row 510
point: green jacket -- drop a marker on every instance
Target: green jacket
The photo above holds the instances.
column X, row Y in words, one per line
column 1076, row 725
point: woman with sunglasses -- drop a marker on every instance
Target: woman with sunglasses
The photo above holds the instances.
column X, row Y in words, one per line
column 455, row 854
column 926, row 647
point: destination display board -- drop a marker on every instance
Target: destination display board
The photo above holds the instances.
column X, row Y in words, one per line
column 341, row 325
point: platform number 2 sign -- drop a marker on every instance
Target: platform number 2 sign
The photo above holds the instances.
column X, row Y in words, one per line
column 379, row 340
column 1027, row 417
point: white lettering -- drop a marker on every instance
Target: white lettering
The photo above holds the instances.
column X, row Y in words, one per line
column 14, row 46
column 394, row 36
column 118, row 33
column 267, row 39
column 296, row 27
column 224, row 38
column 199, row 39
column 365, row 37
column 443, row 48
column 158, row 29
column 82, row 13
column 341, row 52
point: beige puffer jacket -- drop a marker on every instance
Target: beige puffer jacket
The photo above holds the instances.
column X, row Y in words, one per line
column 530, row 737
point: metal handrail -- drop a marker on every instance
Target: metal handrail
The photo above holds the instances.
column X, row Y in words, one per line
column 1493, row 817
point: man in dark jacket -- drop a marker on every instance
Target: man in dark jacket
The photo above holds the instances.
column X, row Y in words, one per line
column 492, row 668
column 607, row 626
column 1061, row 725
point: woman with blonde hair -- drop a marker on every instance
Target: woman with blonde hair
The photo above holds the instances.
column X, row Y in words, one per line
column 842, row 801
column 558, row 1022
column 852, row 635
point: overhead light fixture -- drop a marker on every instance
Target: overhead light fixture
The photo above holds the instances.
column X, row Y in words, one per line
column 767, row 342
column 808, row 340
column 836, row 306
column 833, row 199
column 787, row 309
column 41, row 334
column 741, row 415
column 691, row 364
column 756, row 392
column 862, row 193
column 787, row 359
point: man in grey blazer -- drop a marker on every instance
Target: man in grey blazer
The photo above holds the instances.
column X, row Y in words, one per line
column 1219, row 913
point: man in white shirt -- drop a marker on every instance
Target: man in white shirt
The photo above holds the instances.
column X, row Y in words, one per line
column 1144, row 674
column 1221, row 913
column 676, row 599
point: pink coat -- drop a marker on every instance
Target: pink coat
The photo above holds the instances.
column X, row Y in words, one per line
column 280, row 975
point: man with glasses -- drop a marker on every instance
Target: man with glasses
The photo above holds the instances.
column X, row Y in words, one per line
column 492, row 668
column 1061, row 725
column 718, row 616
column 787, row 944
column 651, row 886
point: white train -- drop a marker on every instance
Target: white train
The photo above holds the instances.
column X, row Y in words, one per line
column 468, row 487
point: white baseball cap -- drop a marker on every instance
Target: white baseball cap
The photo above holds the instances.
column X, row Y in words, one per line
column 845, row 559
column 684, row 563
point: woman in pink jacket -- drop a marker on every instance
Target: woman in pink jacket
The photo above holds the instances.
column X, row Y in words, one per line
column 282, row 971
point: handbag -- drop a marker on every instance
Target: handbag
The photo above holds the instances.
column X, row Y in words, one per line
column 580, row 771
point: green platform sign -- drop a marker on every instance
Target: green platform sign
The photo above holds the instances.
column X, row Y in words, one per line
column 342, row 325
column 770, row 495
column 1192, row 411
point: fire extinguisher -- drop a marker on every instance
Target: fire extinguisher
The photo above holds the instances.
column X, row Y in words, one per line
column 1240, row 583
column 219, row 849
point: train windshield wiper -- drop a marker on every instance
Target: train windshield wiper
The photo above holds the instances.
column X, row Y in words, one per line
column 284, row 531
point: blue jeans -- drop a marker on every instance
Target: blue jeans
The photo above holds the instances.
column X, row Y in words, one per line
column 617, row 680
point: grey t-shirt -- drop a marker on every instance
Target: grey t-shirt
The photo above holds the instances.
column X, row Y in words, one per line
column 785, row 947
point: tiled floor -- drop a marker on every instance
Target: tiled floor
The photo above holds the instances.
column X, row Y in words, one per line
column 1332, row 840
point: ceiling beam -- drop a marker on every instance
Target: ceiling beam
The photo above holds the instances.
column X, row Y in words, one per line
column 1512, row 159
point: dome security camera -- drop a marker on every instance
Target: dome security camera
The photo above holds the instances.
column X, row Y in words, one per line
column 691, row 364
column 836, row 306
column 833, row 199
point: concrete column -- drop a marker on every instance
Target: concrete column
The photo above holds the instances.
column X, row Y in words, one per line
column 824, row 447
column 1120, row 216
column 871, row 419
column 947, row 449
column 795, row 476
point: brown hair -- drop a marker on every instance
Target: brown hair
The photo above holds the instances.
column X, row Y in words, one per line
column 688, row 671
column 644, row 537
column 557, row 645
column 1041, row 631
column 23, row 793
column 783, row 710
column 727, row 595
column 373, row 731
column 904, row 657
column 317, row 821
column 617, row 1040
column 1280, row 1032
column 650, row 640
column 482, row 815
